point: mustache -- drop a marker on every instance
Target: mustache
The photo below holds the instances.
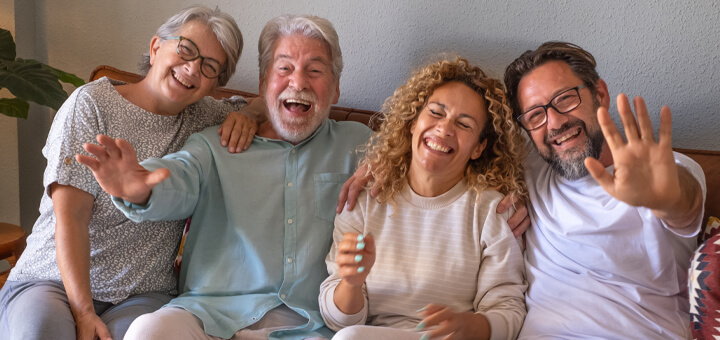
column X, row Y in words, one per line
column 304, row 95
column 567, row 126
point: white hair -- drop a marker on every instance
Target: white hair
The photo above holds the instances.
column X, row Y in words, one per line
column 223, row 26
column 308, row 25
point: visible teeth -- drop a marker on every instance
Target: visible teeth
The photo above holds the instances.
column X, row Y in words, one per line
column 566, row 137
column 437, row 147
column 181, row 80
column 297, row 101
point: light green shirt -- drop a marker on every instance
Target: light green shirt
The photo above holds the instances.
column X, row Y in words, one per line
column 262, row 223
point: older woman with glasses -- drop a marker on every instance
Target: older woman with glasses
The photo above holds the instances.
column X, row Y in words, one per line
column 430, row 257
column 88, row 271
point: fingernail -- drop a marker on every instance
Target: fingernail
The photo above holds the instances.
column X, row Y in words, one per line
column 420, row 326
column 224, row 143
column 425, row 337
column 231, row 150
column 361, row 245
column 360, row 238
column 361, row 269
column 358, row 258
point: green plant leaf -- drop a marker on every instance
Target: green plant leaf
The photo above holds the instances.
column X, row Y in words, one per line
column 14, row 107
column 64, row 76
column 7, row 45
column 28, row 80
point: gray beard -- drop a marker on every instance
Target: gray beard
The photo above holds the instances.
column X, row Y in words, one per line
column 297, row 130
column 574, row 167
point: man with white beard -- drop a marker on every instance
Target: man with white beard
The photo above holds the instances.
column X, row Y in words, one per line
column 262, row 220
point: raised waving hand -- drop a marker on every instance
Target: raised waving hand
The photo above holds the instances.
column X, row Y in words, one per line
column 116, row 168
column 645, row 173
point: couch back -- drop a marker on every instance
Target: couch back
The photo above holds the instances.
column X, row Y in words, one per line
column 708, row 160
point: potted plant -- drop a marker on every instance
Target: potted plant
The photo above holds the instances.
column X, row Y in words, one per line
column 29, row 80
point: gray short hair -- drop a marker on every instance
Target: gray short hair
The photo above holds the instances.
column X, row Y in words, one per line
column 308, row 25
column 222, row 24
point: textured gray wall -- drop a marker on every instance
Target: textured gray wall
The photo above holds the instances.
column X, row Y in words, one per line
column 666, row 51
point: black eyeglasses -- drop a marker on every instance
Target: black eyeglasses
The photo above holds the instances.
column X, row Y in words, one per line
column 564, row 102
column 188, row 51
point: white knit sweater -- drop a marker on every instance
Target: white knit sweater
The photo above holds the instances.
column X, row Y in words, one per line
column 452, row 250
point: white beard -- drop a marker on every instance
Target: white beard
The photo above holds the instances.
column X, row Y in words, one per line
column 296, row 129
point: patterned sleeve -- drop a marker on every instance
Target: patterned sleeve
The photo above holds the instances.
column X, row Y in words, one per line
column 346, row 221
column 501, row 278
column 78, row 121
column 215, row 111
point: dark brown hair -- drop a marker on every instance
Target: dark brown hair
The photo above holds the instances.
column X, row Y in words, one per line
column 581, row 62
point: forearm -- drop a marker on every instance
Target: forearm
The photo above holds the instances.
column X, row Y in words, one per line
column 480, row 327
column 349, row 299
column 688, row 204
column 73, row 209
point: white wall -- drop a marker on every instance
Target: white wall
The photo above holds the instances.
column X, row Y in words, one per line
column 9, row 184
column 667, row 51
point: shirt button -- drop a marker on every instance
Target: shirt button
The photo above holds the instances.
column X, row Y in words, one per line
column 292, row 151
column 282, row 296
column 290, row 184
column 290, row 221
column 68, row 160
column 289, row 259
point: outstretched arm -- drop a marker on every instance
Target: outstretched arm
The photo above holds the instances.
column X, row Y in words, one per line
column 118, row 172
column 645, row 171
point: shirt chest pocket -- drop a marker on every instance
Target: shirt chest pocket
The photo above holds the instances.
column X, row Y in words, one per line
column 327, row 190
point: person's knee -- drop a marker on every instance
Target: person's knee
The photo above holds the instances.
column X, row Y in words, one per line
column 147, row 326
column 166, row 323
column 118, row 318
column 349, row 333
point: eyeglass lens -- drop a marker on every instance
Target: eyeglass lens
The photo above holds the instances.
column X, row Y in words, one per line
column 562, row 103
column 211, row 68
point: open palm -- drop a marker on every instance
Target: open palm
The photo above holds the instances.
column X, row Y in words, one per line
column 645, row 173
column 116, row 168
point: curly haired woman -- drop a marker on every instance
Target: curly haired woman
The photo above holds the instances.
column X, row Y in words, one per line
column 429, row 257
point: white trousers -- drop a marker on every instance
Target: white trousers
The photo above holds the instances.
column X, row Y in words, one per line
column 177, row 323
column 376, row 333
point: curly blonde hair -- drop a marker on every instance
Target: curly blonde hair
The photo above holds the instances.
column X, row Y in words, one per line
column 388, row 153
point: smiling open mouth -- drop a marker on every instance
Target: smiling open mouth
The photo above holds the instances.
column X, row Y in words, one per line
column 296, row 105
column 182, row 81
column 568, row 135
column 437, row 147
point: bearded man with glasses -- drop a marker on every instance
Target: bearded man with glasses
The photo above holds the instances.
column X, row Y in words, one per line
column 614, row 221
